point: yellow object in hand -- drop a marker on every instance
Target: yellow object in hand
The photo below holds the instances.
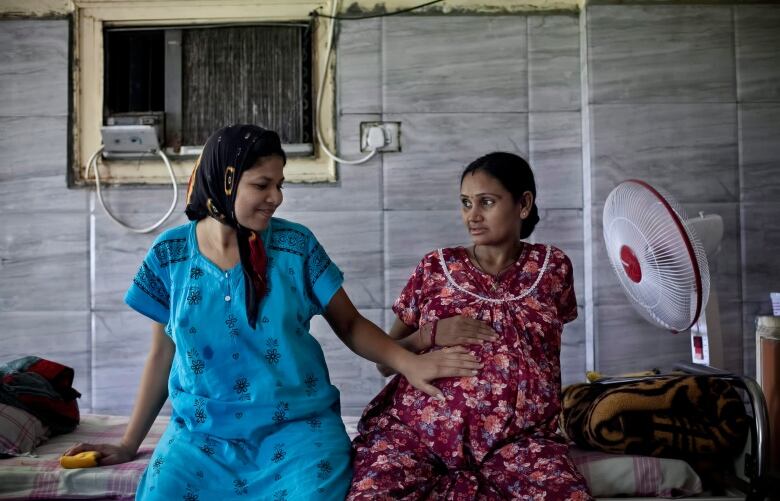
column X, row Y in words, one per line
column 592, row 376
column 86, row 459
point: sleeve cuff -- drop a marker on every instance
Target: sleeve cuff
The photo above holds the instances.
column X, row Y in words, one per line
column 327, row 285
column 147, row 307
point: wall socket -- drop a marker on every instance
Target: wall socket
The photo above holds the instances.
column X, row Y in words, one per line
column 392, row 132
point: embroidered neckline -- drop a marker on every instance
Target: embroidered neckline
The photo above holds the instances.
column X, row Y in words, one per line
column 525, row 293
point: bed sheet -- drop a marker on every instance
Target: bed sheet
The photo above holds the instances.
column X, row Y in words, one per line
column 39, row 476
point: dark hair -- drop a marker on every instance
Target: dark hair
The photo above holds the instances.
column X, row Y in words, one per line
column 515, row 175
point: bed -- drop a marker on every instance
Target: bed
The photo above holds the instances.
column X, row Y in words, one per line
column 41, row 477
column 38, row 476
column 747, row 478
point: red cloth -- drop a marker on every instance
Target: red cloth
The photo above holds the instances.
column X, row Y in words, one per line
column 259, row 260
column 44, row 389
column 495, row 436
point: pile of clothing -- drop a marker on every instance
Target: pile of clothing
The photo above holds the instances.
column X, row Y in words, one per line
column 43, row 389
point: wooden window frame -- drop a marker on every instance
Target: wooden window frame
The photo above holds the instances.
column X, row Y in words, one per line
column 92, row 16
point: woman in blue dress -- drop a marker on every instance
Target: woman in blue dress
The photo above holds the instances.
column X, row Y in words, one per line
column 231, row 295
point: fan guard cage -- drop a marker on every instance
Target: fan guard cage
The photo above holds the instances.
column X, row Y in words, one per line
column 659, row 259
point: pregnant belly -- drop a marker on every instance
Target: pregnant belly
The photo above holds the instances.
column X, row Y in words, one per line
column 479, row 411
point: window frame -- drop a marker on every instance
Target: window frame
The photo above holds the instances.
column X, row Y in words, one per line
column 90, row 19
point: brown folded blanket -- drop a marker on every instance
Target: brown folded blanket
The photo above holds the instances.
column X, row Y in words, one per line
column 685, row 417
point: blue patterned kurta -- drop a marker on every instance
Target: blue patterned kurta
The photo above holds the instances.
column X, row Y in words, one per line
column 254, row 413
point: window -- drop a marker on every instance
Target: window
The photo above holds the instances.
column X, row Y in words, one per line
column 191, row 81
column 190, row 69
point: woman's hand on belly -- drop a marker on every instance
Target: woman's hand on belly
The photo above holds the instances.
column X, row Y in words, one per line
column 463, row 330
column 448, row 362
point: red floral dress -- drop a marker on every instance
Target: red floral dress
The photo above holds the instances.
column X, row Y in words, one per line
column 495, row 436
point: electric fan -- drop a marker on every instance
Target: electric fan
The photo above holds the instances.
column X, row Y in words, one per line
column 660, row 258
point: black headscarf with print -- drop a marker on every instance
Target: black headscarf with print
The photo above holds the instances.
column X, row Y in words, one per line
column 212, row 192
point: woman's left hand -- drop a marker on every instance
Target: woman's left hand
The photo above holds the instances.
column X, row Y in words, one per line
column 455, row 361
column 463, row 330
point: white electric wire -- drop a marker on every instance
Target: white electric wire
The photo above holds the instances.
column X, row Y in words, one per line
column 93, row 164
column 320, row 89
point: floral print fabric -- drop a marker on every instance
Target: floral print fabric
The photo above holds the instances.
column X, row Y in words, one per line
column 495, row 436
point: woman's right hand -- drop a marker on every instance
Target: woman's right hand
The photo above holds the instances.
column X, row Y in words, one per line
column 463, row 330
column 108, row 453
column 448, row 362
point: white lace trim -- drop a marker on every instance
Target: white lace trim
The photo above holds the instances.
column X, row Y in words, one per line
column 488, row 299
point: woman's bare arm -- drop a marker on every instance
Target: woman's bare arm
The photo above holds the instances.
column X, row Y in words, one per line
column 370, row 342
column 408, row 338
column 152, row 393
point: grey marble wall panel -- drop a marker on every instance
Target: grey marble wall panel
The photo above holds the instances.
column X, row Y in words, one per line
column 356, row 378
column 60, row 336
column 359, row 57
column 761, row 250
column 34, row 68
column 44, row 263
column 573, row 350
column 732, row 336
column 554, row 63
column 563, row 229
column 660, row 53
column 358, row 187
column 139, row 205
column 436, row 149
column 118, row 253
column 34, row 164
column 759, row 151
column 688, row 149
column 33, row 147
column 409, row 236
column 122, row 340
column 758, row 52
column 627, row 343
column 455, row 64
column 555, row 141
column 353, row 240
column 40, row 195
